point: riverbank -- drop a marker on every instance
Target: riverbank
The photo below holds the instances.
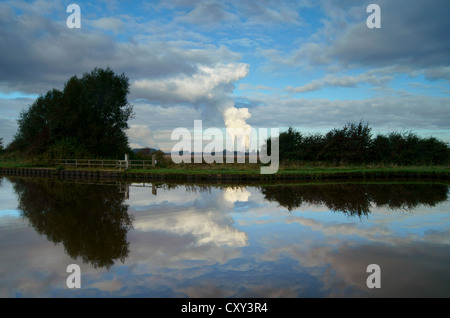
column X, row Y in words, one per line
column 211, row 173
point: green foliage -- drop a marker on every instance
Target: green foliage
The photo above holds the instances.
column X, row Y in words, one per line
column 147, row 154
column 289, row 143
column 89, row 116
column 161, row 160
column 66, row 148
column 142, row 154
column 408, row 149
column 353, row 144
column 349, row 144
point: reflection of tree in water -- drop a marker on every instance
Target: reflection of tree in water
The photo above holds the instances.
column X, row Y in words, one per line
column 357, row 199
column 91, row 221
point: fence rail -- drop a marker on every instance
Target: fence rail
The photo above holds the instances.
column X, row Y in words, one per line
column 99, row 163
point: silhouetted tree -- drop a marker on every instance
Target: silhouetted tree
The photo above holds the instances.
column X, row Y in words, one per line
column 311, row 147
column 89, row 116
column 289, row 143
column 409, row 149
column 349, row 144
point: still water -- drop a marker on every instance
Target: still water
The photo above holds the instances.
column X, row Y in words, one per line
column 193, row 240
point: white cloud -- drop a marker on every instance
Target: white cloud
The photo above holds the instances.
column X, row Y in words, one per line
column 233, row 195
column 202, row 226
column 141, row 137
column 237, row 126
column 203, row 85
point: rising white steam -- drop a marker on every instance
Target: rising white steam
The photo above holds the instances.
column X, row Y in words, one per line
column 237, row 127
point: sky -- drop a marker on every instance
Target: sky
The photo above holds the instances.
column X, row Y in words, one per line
column 313, row 65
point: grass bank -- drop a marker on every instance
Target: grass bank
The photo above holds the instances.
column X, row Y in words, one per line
column 296, row 170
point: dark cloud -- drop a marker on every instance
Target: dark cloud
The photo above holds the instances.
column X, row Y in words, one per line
column 413, row 33
column 38, row 53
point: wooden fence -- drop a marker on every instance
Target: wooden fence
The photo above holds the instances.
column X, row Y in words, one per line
column 105, row 164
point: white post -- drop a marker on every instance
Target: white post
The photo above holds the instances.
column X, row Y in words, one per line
column 126, row 161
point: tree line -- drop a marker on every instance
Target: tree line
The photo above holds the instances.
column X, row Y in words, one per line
column 355, row 144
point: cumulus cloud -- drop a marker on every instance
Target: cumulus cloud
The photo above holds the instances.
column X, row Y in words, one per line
column 206, row 84
column 237, row 126
column 203, row 226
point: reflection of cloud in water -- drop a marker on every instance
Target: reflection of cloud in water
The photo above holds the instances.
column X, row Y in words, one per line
column 208, row 228
column 233, row 195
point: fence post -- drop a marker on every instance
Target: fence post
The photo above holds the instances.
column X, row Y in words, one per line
column 127, row 163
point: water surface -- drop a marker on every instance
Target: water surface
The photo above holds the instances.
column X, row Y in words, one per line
column 193, row 240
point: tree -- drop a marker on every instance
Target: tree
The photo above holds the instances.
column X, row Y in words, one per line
column 1, row 144
column 289, row 143
column 349, row 144
column 91, row 114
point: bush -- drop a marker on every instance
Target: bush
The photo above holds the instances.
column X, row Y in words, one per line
column 67, row 148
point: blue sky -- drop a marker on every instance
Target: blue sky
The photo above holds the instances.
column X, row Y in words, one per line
column 314, row 65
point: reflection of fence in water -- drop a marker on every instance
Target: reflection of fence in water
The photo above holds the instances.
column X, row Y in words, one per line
column 122, row 186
